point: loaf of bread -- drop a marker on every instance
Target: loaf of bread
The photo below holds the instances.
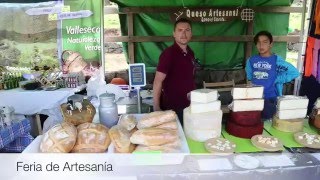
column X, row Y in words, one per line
column 128, row 121
column 164, row 149
column 120, row 137
column 59, row 139
column 154, row 136
column 156, row 118
column 133, row 130
column 172, row 125
column 92, row 138
column 132, row 147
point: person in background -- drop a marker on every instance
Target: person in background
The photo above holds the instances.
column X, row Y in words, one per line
column 270, row 71
column 174, row 77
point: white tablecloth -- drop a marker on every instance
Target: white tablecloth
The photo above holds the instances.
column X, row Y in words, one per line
column 33, row 102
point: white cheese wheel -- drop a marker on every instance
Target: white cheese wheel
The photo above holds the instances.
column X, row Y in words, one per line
column 205, row 107
column 205, row 121
column 202, row 126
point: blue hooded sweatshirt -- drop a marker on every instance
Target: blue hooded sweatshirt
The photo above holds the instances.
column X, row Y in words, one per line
column 271, row 78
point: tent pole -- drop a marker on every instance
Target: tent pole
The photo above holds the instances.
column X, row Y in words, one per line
column 102, row 38
column 302, row 49
column 59, row 37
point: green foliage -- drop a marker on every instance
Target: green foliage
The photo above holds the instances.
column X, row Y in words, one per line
column 49, row 61
column 25, row 59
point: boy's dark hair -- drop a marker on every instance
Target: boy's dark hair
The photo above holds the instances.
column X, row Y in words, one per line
column 262, row 33
column 182, row 20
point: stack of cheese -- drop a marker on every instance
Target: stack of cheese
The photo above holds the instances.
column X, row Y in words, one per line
column 157, row 131
column 314, row 118
column 291, row 111
column 202, row 119
column 245, row 116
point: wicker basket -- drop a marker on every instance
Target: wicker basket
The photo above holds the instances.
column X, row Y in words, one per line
column 86, row 115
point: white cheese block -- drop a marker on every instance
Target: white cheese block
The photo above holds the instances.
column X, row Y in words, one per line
column 292, row 102
column 205, row 107
column 202, row 126
column 292, row 113
column 247, row 92
column 247, row 105
column 204, row 95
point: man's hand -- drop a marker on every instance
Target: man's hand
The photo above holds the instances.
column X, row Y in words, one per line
column 157, row 87
column 189, row 96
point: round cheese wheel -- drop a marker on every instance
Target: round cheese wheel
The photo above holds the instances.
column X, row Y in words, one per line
column 59, row 139
column 92, row 138
column 246, row 118
column 287, row 125
column 243, row 131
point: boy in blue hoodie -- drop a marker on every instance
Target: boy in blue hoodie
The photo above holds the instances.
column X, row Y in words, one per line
column 270, row 71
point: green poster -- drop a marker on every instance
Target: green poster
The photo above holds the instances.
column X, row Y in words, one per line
column 81, row 35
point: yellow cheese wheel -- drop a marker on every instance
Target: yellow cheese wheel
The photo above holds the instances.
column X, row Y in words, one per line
column 287, row 125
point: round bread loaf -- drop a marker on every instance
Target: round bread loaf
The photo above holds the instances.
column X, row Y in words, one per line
column 59, row 139
column 92, row 138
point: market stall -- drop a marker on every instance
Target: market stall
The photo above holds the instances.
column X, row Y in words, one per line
column 234, row 145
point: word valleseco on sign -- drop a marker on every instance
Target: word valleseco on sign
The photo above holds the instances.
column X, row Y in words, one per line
column 214, row 15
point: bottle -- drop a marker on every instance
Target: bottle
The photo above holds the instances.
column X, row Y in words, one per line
column 108, row 110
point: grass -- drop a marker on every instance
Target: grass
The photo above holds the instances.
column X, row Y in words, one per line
column 27, row 47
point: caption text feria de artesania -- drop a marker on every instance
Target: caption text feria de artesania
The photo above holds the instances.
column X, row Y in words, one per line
column 67, row 166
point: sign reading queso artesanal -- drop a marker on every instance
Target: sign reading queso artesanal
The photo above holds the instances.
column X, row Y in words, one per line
column 214, row 15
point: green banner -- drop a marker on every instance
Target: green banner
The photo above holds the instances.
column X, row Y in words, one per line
column 81, row 35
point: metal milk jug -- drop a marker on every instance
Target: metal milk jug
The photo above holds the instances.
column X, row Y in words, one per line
column 6, row 115
column 108, row 110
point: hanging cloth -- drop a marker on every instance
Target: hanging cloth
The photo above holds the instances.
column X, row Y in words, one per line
column 315, row 59
column 309, row 57
column 317, row 18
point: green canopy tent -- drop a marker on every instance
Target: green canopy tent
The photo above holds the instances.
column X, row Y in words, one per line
column 214, row 55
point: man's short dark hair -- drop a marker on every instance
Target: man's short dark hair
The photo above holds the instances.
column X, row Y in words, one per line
column 262, row 33
column 181, row 20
